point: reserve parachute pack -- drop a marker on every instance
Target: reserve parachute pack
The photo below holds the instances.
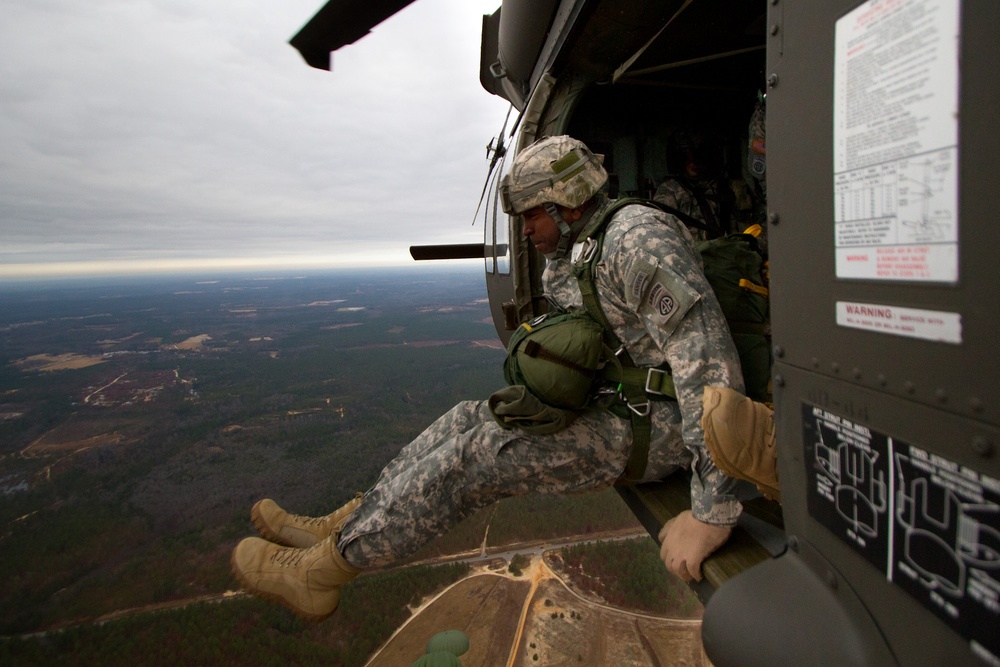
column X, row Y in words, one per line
column 561, row 356
column 568, row 360
column 557, row 357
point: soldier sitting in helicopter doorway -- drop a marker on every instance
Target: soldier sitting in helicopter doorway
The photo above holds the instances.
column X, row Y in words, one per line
column 655, row 298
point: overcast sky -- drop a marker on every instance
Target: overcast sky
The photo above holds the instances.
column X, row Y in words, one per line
column 139, row 134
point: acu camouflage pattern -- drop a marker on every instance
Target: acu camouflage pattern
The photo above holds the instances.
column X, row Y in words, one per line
column 654, row 294
column 744, row 209
column 676, row 194
column 539, row 176
column 465, row 461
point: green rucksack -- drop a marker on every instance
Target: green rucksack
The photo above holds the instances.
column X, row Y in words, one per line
column 736, row 271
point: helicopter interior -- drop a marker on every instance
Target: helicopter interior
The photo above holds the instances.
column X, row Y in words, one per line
column 644, row 97
column 632, row 78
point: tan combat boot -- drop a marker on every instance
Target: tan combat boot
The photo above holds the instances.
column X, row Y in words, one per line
column 307, row 581
column 740, row 437
column 292, row 530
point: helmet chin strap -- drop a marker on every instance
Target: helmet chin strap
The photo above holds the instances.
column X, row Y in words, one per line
column 564, row 231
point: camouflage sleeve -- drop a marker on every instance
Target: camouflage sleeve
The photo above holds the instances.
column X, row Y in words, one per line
column 667, row 193
column 666, row 287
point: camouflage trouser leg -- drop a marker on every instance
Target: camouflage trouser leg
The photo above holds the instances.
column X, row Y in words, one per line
column 465, row 461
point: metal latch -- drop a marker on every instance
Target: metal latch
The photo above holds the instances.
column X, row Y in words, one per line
column 649, row 381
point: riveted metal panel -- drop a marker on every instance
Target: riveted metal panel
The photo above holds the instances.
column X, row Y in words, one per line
column 864, row 528
column 956, row 377
column 894, row 396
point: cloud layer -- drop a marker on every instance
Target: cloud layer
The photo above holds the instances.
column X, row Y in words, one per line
column 138, row 132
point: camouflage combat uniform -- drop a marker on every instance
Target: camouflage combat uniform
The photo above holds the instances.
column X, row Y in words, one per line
column 655, row 296
column 676, row 194
column 743, row 208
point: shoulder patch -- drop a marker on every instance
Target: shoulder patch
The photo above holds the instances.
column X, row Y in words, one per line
column 638, row 280
column 667, row 299
column 661, row 300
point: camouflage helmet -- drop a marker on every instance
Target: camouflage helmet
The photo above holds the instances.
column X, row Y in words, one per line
column 554, row 170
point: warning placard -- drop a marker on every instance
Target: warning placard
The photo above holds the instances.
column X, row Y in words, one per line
column 910, row 322
column 896, row 141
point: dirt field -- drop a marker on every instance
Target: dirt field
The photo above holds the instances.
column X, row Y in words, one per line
column 559, row 629
column 57, row 362
column 42, row 447
column 495, row 344
column 192, row 343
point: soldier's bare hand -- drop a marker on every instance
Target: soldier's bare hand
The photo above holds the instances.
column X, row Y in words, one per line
column 685, row 542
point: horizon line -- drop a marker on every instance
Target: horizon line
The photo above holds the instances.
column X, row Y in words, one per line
column 121, row 268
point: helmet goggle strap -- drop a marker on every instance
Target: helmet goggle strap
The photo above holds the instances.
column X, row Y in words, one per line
column 565, row 231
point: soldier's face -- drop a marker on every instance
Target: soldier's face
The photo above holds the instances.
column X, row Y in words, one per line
column 543, row 230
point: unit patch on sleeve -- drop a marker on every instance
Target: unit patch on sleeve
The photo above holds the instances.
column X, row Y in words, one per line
column 661, row 300
column 638, row 281
column 659, row 294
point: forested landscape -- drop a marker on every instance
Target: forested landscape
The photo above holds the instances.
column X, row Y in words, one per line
column 241, row 631
column 598, row 568
column 140, row 421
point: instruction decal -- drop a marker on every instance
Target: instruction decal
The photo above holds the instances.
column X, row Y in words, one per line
column 896, row 141
column 930, row 525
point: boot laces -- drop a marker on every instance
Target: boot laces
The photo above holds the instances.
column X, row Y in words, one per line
column 308, row 520
column 291, row 557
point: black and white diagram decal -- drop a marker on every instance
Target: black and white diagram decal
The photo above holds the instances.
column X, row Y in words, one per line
column 930, row 525
column 849, row 482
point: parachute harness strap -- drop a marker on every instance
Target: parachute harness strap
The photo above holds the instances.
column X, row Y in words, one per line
column 631, row 391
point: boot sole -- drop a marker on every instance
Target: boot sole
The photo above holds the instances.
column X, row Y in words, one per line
column 273, row 597
column 729, row 468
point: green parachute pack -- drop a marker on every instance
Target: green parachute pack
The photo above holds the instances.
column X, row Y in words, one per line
column 568, row 360
column 557, row 356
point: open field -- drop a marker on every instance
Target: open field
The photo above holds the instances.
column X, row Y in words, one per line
column 536, row 620
column 57, row 362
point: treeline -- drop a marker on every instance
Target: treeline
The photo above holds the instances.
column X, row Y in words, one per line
column 155, row 520
column 242, row 631
column 544, row 517
column 630, row 574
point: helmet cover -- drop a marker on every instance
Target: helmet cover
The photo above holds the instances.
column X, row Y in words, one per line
column 554, row 170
